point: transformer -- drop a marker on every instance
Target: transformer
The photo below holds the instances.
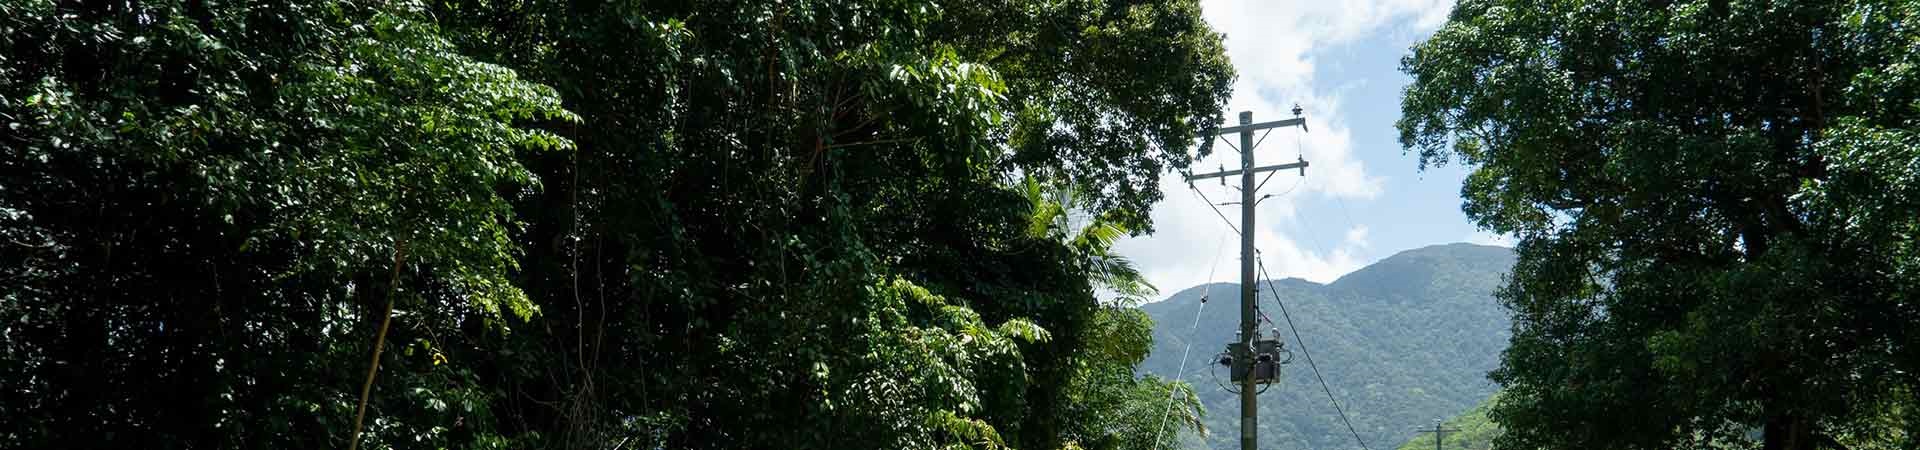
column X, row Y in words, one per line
column 1264, row 363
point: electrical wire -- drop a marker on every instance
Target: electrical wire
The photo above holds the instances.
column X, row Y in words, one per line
column 1299, row 151
column 1343, row 211
column 1296, row 184
column 1191, row 331
column 1309, row 354
column 1304, row 351
column 1216, row 211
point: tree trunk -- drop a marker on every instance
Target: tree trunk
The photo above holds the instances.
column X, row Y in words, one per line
column 1788, row 432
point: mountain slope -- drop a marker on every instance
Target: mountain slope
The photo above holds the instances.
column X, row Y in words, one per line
column 1401, row 343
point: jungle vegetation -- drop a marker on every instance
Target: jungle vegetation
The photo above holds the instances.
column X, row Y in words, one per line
column 1716, row 206
column 638, row 224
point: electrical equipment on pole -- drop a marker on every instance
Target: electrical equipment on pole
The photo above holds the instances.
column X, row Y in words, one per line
column 1253, row 358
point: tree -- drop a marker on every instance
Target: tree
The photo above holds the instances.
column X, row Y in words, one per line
column 1055, row 208
column 748, row 172
column 1713, row 201
column 1114, row 408
column 201, row 203
column 651, row 224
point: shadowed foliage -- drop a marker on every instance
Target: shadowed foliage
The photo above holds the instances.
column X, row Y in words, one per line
column 1714, row 201
column 639, row 224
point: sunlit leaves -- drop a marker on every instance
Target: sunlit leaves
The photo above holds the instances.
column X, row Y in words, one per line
column 1707, row 248
column 208, row 192
column 943, row 359
column 422, row 136
column 725, row 224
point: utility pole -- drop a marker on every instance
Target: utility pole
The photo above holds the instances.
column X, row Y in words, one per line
column 1439, row 434
column 1243, row 352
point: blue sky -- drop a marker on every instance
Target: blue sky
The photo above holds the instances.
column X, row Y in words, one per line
column 1362, row 199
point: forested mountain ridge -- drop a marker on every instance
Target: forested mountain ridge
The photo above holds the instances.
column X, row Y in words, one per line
column 1401, row 342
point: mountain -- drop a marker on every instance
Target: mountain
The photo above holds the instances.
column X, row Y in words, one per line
column 1476, row 431
column 1401, row 343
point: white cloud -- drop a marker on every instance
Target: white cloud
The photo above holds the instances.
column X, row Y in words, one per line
column 1285, row 258
column 1357, row 236
column 1491, row 238
column 1274, row 46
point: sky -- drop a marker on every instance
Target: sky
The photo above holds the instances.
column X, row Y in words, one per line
column 1362, row 198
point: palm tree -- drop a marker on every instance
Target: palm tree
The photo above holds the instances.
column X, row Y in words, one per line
column 1119, row 409
column 1056, row 208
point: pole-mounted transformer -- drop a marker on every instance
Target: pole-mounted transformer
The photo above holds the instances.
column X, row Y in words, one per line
column 1254, row 360
column 1268, row 355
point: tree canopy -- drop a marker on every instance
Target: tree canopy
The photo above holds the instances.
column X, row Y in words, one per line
column 713, row 224
column 1715, row 204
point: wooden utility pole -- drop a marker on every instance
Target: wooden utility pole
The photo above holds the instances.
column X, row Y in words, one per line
column 1242, row 351
column 1439, row 434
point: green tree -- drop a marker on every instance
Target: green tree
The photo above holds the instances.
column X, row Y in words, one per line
column 647, row 224
column 1714, row 204
column 1114, row 408
column 1055, row 209
column 747, row 171
column 202, row 202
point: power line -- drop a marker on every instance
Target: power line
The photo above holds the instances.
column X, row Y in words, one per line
column 1181, row 375
column 1296, row 185
column 1216, row 211
column 1300, row 151
column 1244, row 349
column 1343, row 211
column 1309, row 354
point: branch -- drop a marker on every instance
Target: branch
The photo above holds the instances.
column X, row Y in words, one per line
column 863, row 123
column 882, row 141
column 380, row 339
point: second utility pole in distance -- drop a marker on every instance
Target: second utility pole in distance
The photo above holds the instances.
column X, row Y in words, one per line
column 1249, row 403
column 1439, row 434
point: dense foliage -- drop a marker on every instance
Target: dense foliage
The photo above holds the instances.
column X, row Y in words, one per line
column 1715, row 202
column 1401, row 342
column 713, row 224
